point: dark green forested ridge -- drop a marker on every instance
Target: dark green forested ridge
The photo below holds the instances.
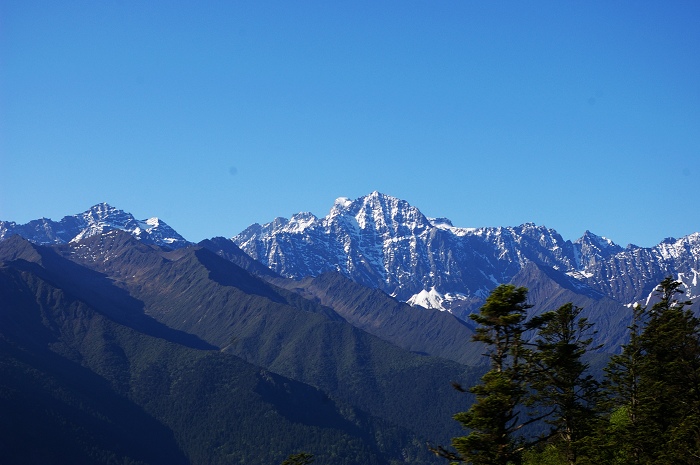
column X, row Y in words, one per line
column 112, row 351
column 202, row 294
column 436, row 333
column 146, row 328
column 77, row 387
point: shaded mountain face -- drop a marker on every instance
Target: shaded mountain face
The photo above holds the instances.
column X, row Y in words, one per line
column 385, row 243
column 227, row 249
column 114, row 325
column 195, row 291
column 98, row 219
column 427, row 332
column 200, row 302
column 78, row 387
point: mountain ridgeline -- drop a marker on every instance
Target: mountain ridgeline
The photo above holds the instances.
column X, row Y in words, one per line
column 385, row 243
column 113, row 350
column 98, row 219
column 122, row 342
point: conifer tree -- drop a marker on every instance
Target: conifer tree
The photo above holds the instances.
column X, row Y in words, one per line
column 495, row 416
column 655, row 382
column 670, row 380
column 561, row 380
column 624, row 436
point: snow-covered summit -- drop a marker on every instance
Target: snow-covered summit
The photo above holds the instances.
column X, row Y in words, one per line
column 380, row 212
column 384, row 242
column 591, row 249
column 434, row 300
column 96, row 220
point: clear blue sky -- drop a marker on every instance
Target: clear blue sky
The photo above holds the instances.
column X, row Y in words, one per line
column 214, row 115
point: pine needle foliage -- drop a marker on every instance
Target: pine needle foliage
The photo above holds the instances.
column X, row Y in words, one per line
column 655, row 382
column 495, row 417
column 561, row 380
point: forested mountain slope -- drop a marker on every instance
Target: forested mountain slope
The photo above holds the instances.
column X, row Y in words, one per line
column 161, row 332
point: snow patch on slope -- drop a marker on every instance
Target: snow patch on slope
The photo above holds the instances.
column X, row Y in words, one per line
column 435, row 300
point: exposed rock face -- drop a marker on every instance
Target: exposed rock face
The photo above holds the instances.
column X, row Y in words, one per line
column 98, row 219
column 384, row 242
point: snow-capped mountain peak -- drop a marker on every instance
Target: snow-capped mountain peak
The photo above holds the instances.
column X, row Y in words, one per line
column 427, row 299
column 96, row 220
column 386, row 243
column 432, row 299
column 341, row 203
column 599, row 242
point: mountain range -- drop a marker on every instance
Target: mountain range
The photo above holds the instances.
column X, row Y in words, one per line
column 384, row 242
column 100, row 218
column 113, row 350
column 338, row 335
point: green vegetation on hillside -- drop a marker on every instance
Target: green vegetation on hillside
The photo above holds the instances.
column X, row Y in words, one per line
column 78, row 387
column 645, row 411
column 113, row 352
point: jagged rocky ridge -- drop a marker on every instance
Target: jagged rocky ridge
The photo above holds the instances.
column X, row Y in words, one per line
column 116, row 351
column 383, row 242
column 194, row 298
column 98, row 219
column 357, row 345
